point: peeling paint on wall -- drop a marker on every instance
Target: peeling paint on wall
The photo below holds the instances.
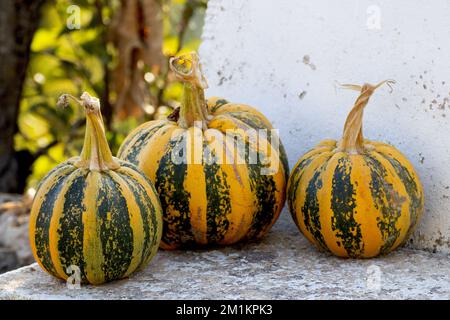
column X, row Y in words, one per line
column 286, row 58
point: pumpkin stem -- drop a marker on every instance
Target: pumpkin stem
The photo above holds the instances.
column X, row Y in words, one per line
column 96, row 154
column 353, row 140
column 193, row 110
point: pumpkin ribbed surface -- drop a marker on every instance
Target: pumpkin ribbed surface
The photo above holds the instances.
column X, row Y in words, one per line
column 355, row 205
column 360, row 200
column 212, row 201
column 209, row 203
column 105, row 222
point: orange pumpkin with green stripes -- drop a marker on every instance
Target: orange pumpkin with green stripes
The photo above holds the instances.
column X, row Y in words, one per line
column 355, row 197
column 95, row 212
column 207, row 198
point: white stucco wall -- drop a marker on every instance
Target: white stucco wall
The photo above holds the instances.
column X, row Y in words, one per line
column 284, row 57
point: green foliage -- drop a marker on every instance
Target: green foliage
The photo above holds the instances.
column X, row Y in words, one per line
column 73, row 61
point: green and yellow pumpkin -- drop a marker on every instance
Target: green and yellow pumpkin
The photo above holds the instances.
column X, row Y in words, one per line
column 355, row 197
column 95, row 212
column 206, row 198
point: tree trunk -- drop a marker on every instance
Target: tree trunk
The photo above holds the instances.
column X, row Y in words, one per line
column 18, row 22
column 137, row 33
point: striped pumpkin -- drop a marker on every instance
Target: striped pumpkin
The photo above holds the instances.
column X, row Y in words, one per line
column 209, row 201
column 355, row 198
column 95, row 212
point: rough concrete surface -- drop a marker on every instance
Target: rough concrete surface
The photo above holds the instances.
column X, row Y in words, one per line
column 14, row 244
column 283, row 266
column 285, row 58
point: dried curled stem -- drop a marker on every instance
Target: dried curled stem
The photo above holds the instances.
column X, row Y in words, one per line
column 193, row 110
column 96, row 154
column 187, row 68
column 353, row 140
column 91, row 104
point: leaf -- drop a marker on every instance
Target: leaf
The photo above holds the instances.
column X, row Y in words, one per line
column 44, row 39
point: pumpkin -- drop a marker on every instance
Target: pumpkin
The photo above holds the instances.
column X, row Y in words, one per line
column 355, row 197
column 95, row 212
column 208, row 198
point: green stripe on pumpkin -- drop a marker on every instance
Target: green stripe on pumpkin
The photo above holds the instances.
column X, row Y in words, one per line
column 67, row 165
column 140, row 140
column 218, row 198
column 255, row 122
column 294, row 183
column 343, row 206
column 138, row 171
column 284, row 160
column 70, row 230
column 42, row 237
column 386, row 200
column 310, row 209
column 416, row 205
column 169, row 183
column 148, row 214
column 264, row 189
column 250, row 119
column 115, row 231
column 219, row 103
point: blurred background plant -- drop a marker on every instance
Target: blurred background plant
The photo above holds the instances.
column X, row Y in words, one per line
column 116, row 50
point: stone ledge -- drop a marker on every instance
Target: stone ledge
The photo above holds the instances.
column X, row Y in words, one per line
column 283, row 266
